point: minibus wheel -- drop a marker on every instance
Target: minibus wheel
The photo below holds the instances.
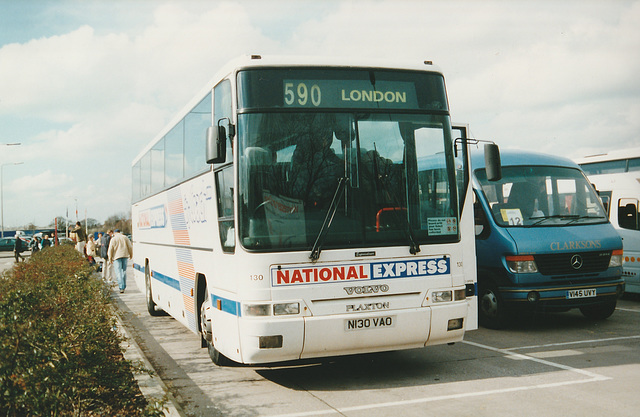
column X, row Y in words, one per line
column 491, row 308
column 599, row 311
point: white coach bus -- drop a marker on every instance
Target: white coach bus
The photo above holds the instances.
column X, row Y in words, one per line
column 283, row 214
column 616, row 176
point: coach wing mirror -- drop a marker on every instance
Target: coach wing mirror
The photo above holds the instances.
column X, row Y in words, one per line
column 216, row 146
column 492, row 162
column 216, row 151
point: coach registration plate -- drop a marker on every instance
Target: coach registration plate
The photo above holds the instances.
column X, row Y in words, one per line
column 584, row 293
column 369, row 323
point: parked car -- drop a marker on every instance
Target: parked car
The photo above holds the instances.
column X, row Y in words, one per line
column 7, row 244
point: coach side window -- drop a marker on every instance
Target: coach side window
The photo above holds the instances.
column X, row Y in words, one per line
column 224, row 188
column 157, row 166
column 196, row 123
column 223, row 111
column 628, row 214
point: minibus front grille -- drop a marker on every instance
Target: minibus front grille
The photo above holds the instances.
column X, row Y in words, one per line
column 573, row 263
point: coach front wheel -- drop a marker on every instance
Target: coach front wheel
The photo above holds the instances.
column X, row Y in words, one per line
column 206, row 332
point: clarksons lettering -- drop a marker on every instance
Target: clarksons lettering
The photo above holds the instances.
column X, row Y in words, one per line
column 577, row 244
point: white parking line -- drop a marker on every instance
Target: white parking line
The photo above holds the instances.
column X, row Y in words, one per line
column 439, row 398
column 628, row 309
column 592, row 377
column 577, row 342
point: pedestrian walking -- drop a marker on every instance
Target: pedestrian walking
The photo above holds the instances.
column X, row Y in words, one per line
column 35, row 245
column 80, row 237
column 120, row 250
column 45, row 242
column 18, row 247
column 107, row 267
column 90, row 250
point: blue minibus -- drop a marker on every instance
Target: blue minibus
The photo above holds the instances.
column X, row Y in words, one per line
column 543, row 240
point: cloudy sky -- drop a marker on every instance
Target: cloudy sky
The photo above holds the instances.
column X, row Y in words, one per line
column 86, row 84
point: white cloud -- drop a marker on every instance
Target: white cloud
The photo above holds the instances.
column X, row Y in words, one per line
column 554, row 76
column 109, row 94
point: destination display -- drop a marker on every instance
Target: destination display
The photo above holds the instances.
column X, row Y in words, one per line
column 349, row 93
column 338, row 88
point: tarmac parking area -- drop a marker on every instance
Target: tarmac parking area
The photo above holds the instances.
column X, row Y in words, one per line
column 555, row 365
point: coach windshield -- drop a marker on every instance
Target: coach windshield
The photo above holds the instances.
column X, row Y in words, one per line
column 341, row 177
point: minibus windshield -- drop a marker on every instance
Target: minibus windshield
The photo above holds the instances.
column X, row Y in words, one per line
column 541, row 196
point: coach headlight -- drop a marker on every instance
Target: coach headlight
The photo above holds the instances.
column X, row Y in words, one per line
column 286, row 309
column 278, row 309
column 442, row 296
column 256, row 310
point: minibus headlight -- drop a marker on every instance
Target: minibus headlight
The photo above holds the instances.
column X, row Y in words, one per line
column 460, row 294
column 616, row 258
column 256, row 310
column 442, row 296
column 522, row 264
column 286, row 309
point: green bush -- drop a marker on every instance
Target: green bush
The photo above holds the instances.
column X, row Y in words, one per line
column 59, row 351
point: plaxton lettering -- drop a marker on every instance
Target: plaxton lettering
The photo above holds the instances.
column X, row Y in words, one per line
column 577, row 244
column 309, row 275
column 367, row 307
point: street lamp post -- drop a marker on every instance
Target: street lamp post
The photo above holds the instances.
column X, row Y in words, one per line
column 1, row 200
column 2, row 194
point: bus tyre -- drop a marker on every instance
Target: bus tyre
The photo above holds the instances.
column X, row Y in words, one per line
column 217, row 357
column 599, row 311
column 206, row 333
column 152, row 308
column 492, row 311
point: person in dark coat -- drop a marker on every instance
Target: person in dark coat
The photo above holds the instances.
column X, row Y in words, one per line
column 18, row 248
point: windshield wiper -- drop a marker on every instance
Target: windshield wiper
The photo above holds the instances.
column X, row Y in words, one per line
column 571, row 217
column 331, row 212
column 577, row 217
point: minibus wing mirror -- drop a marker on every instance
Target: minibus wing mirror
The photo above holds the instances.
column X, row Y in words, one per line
column 216, row 146
column 492, row 162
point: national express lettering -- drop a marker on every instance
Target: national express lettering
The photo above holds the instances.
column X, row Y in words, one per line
column 326, row 274
column 359, row 272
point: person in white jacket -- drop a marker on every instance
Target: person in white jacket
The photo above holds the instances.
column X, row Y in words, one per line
column 120, row 251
